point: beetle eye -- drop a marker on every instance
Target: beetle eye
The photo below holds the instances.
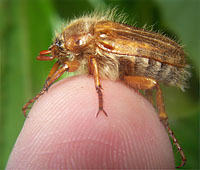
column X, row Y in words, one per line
column 78, row 42
column 58, row 43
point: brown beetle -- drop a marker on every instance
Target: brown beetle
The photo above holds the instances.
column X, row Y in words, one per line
column 105, row 48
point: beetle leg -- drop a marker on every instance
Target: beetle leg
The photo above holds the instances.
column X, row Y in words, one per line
column 140, row 83
column 53, row 70
column 90, row 66
column 164, row 119
column 54, row 74
column 97, row 85
column 144, row 83
column 69, row 66
column 51, row 73
column 149, row 96
column 49, row 81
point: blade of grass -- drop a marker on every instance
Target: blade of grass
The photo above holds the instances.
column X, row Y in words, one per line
column 27, row 22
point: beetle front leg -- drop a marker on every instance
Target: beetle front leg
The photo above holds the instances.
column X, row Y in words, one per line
column 54, row 74
column 48, row 82
column 51, row 73
column 144, row 83
column 69, row 66
column 26, row 106
column 95, row 70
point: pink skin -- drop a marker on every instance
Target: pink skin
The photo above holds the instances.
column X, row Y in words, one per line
column 62, row 131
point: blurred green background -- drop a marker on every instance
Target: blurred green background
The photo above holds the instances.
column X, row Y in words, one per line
column 27, row 27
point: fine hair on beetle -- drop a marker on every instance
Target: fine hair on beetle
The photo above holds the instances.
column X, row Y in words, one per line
column 113, row 65
column 104, row 46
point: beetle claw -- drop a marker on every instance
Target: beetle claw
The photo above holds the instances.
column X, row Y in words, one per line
column 101, row 110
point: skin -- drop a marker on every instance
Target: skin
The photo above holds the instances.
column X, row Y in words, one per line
column 62, row 131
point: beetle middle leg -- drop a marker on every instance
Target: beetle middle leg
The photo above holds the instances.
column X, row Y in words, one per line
column 144, row 83
column 95, row 70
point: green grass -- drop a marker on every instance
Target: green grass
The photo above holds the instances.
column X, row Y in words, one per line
column 27, row 27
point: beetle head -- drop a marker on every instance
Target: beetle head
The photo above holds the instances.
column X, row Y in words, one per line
column 73, row 41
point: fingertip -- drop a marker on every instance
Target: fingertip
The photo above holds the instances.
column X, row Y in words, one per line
column 62, row 130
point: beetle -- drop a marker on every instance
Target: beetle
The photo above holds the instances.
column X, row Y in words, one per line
column 101, row 46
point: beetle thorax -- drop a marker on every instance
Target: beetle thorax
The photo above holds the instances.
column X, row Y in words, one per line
column 78, row 35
